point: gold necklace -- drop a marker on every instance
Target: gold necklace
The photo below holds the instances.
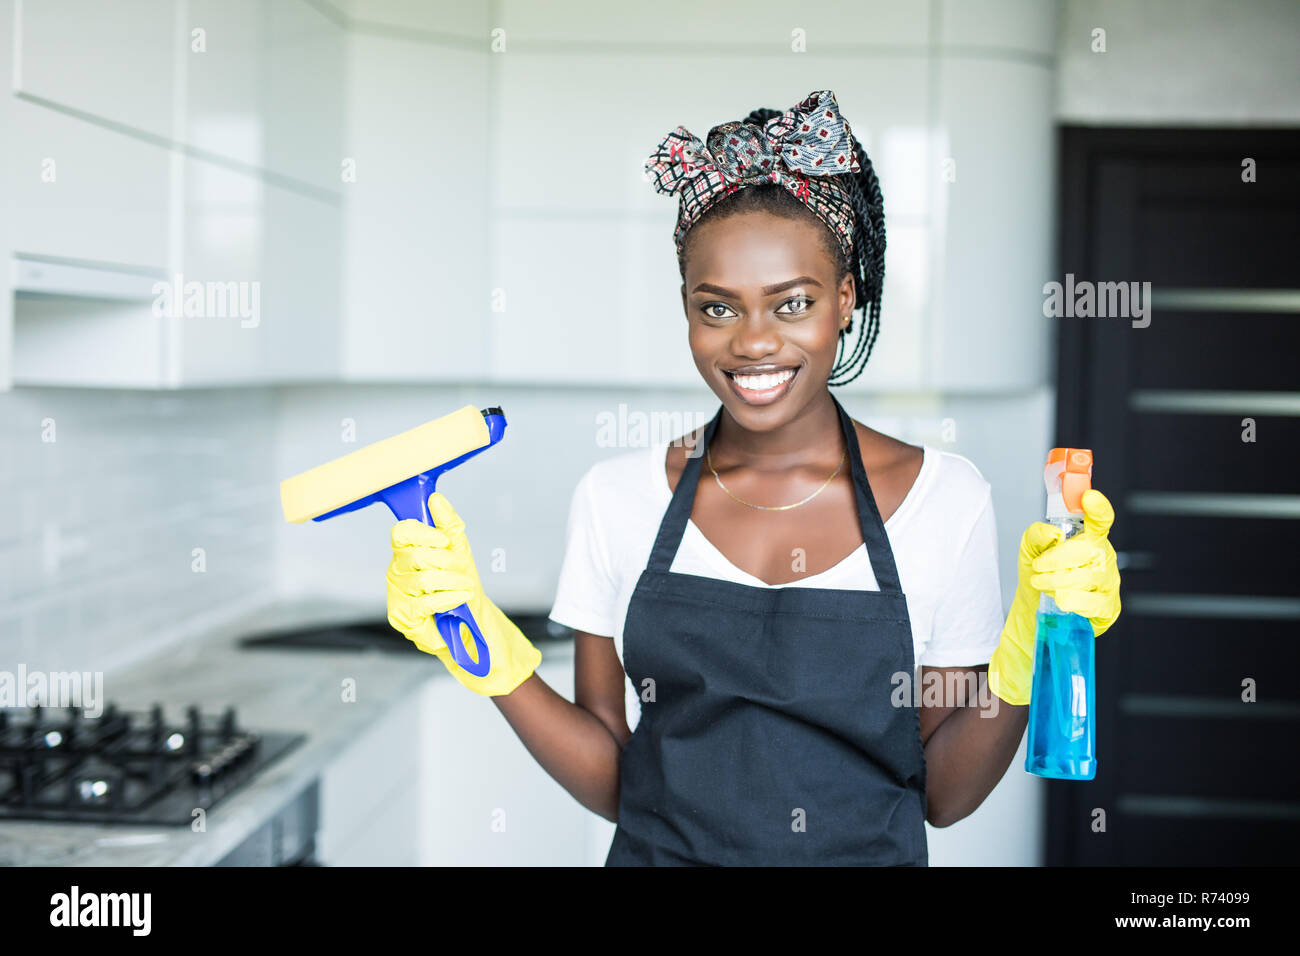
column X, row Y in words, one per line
column 708, row 455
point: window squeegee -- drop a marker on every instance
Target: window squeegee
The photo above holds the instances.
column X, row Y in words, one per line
column 402, row 472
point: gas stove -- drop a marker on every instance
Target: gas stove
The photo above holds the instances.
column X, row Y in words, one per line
column 125, row 766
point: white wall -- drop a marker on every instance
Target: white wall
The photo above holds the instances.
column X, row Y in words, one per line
column 1180, row 63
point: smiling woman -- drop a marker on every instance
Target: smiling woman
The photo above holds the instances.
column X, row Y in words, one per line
column 753, row 628
column 765, row 731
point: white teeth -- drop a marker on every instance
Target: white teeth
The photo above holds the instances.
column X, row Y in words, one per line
column 761, row 383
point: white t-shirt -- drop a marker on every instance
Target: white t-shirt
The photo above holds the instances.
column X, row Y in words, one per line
column 943, row 537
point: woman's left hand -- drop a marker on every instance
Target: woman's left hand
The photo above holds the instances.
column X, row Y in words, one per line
column 1082, row 573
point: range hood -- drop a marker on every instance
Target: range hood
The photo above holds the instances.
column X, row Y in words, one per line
column 47, row 275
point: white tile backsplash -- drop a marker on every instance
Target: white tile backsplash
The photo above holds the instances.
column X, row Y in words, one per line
column 146, row 518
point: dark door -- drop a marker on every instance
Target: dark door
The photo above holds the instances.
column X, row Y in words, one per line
column 1194, row 420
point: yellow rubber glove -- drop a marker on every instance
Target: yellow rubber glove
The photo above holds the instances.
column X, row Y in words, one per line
column 1081, row 574
column 432, row 571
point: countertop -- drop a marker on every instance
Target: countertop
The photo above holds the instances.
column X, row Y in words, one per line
column 272, row 690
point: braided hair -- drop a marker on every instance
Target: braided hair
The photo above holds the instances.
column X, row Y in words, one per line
column 868, row 264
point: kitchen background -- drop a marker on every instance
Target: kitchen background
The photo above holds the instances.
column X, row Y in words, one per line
column 414, row 188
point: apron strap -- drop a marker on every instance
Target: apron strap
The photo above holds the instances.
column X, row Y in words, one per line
column 673, row 526
column 873, row 529
column 674, row 521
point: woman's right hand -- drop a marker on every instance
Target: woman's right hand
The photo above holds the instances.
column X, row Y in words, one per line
column 1082, row 576
column 1011, row 668
column 433, row 571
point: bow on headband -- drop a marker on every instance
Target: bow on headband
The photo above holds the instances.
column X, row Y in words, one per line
column 802, row 149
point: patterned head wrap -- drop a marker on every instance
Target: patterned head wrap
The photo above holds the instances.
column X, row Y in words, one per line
column 805, row 149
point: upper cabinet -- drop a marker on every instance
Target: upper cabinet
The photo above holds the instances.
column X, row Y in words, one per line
column 583, row 254
column 264, row 86
column 303, row 93
column 224, row 55
column 420, row 296
column 261, row 224
column 82, row 191
column 173, row 177
column 111, row 63
column 404, row 191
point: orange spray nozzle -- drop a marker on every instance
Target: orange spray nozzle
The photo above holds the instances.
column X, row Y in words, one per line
column 1068, row 474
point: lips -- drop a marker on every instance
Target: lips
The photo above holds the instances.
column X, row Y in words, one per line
column 761, row 384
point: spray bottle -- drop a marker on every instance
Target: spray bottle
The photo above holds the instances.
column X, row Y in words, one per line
column 1062, row 703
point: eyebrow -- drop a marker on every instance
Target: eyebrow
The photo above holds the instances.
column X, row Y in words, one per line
column 767, row 289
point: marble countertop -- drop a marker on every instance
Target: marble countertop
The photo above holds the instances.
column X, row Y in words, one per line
column 272, row 690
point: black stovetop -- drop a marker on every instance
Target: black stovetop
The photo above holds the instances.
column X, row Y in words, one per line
column 126, row 766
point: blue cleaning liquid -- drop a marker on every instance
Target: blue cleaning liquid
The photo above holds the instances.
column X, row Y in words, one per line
column 1062, row 705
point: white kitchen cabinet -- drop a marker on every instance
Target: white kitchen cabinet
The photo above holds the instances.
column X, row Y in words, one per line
column 590, row 275
column 463, row 18
column 268, row 89
column 59, row 340
column 379, row 188
column 7, row 130
column 224, row 114
column 442, row 780
column 223, row 227
column 578, row 308
column 484, row 800
column 277, row 251
column 992, row 242
column 83, row 192
column 114, row 61
column 368, row 813
column 966, row 256
column 302, row 96
column 577, row 21
column 94, row 203
column 417, row 288
column 240, row 196
column 262, row 79
column 266, row 260
column 301, row 288
column 384, row 837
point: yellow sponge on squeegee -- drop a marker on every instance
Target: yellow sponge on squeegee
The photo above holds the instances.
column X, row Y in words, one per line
column 377, row 467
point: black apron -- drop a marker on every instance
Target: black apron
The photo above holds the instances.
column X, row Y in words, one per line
column 771, row 738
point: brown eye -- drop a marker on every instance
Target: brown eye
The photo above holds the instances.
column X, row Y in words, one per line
column 715, row 315
column 799, row 305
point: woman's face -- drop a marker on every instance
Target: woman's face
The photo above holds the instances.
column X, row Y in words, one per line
column 765, row 309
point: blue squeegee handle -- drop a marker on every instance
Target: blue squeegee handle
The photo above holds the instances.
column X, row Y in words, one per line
column 449, row 622
column 410, row 499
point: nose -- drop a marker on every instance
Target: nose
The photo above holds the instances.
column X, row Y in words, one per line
column 755, row 337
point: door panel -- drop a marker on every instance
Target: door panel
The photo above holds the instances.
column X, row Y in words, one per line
column 1191, row 770
column 1189, row 442
column 1206, row 555
column 1182, row 349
